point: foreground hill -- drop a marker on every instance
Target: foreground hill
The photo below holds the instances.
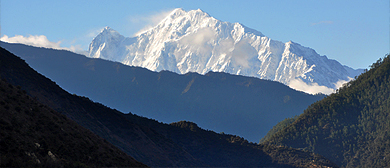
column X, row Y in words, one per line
column 137, row 141
column 350, row 127
column 151, row 142
column 243, row 106
column 34, row 135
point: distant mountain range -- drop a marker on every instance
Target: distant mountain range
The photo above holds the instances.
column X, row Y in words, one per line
column 221, row 102
column 196, row 42
column 350, row 127
column 181, row 144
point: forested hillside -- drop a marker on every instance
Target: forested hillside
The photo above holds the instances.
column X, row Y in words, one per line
column 350, row 127
column 281, row 125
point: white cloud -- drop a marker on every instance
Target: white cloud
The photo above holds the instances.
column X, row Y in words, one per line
column 199, row 39
column 144, row 29
column 242, row 53
column 77, row 49
column 37, row 41
column 313, row 88
column 148, row 21
column 41, row 41
column 202, row 36
column 340, row 83
column 92, row 33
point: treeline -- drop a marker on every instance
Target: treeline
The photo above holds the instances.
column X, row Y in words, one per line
column 281, row 125
column 350, row 127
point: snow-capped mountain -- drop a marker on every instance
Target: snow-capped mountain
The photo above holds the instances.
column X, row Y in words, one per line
column 196, row 42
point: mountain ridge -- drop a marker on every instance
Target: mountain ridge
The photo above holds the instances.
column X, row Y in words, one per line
column 214, row 101
column 194, row 41
column 152, row 142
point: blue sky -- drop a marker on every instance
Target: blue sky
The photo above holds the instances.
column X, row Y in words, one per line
column 355, row 33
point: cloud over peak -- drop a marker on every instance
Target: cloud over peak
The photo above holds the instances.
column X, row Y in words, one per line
column 148, row 21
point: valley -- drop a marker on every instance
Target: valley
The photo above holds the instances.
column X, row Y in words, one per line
column 191, row 90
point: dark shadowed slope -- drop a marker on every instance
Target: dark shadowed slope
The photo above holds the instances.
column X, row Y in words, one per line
column 230, row 150
column 139, row 142
column 239, row 105
column 34, row 135
column 281, row 125
column 151, row 142
column 351, row 127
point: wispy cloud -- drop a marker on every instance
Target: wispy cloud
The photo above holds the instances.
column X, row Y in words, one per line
column 340, row 83
column 41, row 41
column 37, row 41
column 242, row 53
column 92, row 33
column 312, row 88
column 199, row 39
column 149, row 21
column 322, row 23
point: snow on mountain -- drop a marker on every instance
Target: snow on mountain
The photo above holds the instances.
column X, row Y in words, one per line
column 194, row 41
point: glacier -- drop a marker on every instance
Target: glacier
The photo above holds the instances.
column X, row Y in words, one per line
column 194, row 41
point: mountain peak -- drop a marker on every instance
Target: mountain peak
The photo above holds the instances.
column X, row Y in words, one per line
column 181, row 11
column 106, row 28
column 180, row 14
column 177, row 11
column 194, row 41
column 108, row 38
column 198, row 12
column 109, row 30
